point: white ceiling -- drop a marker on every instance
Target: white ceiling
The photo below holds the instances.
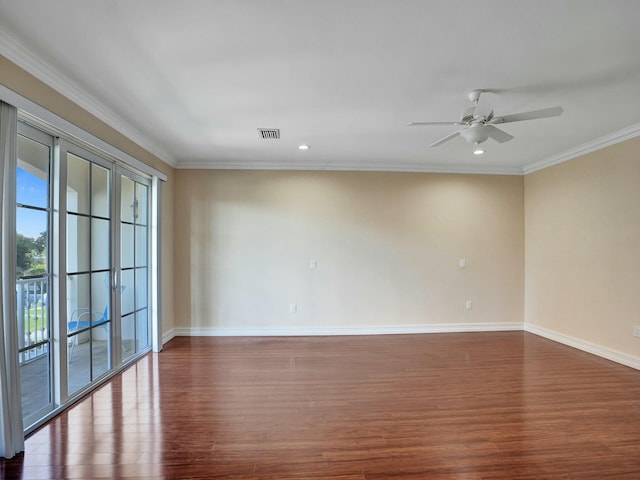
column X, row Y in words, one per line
column 191, row 81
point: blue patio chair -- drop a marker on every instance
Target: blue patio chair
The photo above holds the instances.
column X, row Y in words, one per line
column 85, row 318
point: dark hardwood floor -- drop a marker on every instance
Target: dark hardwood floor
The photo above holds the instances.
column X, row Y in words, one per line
column 503, row 405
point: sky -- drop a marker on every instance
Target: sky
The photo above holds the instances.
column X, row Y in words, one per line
column 30, row 190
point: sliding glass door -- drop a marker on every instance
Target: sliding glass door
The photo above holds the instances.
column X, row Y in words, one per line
column 33, row 268
column 83, row 269
column 134, row 263
column 89, row 268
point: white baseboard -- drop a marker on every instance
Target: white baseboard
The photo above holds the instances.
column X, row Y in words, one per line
column 330, row 331
column 604, row 352
column 168, row 335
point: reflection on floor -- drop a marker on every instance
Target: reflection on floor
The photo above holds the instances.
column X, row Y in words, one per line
column 35, row 380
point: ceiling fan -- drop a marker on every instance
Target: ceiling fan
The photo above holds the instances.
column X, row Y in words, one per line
column 478, row 127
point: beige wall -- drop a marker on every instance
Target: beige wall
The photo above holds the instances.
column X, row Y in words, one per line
column 387, row 247
column 583, row 247
column 23, row 83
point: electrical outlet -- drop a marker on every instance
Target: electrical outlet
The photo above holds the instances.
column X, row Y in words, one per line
column 636, row 331
column 293, row 308
column 468, row 305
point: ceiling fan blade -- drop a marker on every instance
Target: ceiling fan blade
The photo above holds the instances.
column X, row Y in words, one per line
column 445, row 139
column 518, row 117
column 413, row 124
column 498, row 135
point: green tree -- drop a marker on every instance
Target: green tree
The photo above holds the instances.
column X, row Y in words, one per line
column 40, row 243
column 31, row 255
column 24, row 249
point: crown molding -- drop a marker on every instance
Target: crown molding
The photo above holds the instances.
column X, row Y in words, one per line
column 330, row 166
column 17, row 53
column 597, row 144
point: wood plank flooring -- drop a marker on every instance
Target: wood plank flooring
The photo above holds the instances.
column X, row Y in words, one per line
column 500, row 405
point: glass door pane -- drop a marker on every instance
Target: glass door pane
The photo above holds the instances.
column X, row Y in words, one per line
column 134, row 265
column 88, row 271
column 33, row 219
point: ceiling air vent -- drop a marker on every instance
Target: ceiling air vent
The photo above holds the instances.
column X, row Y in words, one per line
column 269, row 133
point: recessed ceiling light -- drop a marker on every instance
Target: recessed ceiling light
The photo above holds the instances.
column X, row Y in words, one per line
column 478, row 151
column 303, row 147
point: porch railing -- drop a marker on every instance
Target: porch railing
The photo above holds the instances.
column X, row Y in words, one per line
column 33, row 318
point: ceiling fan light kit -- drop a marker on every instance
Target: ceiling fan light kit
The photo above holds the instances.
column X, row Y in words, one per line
column 477, row 127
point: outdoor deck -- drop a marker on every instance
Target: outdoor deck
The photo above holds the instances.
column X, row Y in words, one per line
column 34, row 374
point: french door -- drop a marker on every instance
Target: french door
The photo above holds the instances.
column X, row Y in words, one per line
column 83, row 300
